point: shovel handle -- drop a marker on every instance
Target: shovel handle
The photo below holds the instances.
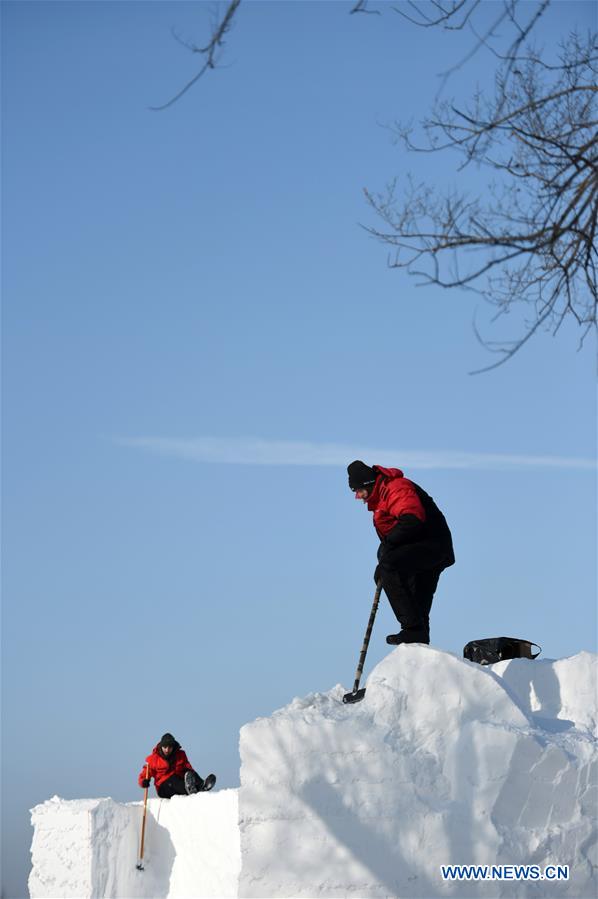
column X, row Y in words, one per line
column 141, row 848
column 366, row 639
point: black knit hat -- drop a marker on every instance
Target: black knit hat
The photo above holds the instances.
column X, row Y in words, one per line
column 360, row 475
column 168, row 740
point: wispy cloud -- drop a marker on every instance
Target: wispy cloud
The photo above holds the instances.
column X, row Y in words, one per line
column 256, row 451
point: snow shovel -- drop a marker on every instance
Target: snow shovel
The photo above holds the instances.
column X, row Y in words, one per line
column 139, row 864
column 356, row 695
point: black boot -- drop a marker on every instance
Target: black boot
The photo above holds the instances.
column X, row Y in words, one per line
column 209, row 782
column 193, row 782
column 408, row 636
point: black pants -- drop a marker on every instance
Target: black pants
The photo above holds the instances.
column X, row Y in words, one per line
column 410, row 596
column 175, row 786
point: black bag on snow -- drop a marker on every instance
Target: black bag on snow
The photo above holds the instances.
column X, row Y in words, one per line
column 495, row 649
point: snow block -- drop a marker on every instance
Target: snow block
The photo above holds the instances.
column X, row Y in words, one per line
column 89, row 848
column 443, row 762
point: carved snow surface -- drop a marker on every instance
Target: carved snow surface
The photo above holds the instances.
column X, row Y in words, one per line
column 443, row 763
column 89, row 847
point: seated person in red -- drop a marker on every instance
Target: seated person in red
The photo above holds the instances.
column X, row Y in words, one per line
column 172, row 772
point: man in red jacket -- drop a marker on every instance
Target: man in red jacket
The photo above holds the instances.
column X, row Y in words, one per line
column 415, row 545
column 172, row 772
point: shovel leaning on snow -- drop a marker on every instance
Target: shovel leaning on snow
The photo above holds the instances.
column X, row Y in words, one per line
column 356, row 695
column 139, row 864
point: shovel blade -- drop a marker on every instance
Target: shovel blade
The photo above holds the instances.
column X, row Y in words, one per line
column 354, row 696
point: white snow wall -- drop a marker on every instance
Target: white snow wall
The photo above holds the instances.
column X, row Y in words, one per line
column 444, row 762
column 87, row 848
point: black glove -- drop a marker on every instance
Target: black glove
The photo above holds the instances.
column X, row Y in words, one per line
column 408, row 529
column 377, row 574
column 145, row 783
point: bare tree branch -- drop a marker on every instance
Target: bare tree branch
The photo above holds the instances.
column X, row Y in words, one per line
column 530, row 240
column 361, row 6
column 209, row 51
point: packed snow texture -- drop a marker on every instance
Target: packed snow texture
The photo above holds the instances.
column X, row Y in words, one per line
column 443, row 762
column 89, row 848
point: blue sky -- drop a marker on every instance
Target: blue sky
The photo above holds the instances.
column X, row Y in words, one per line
column 198, row 336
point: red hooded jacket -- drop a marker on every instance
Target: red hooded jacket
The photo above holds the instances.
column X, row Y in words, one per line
column 393, row 495
column 161, row 768
column 413, row 531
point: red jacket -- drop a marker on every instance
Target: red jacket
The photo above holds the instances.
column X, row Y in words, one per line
column 414, row 535
column 393, row 495
column 161, row 768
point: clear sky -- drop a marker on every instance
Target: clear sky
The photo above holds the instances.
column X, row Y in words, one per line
column 197, row 338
